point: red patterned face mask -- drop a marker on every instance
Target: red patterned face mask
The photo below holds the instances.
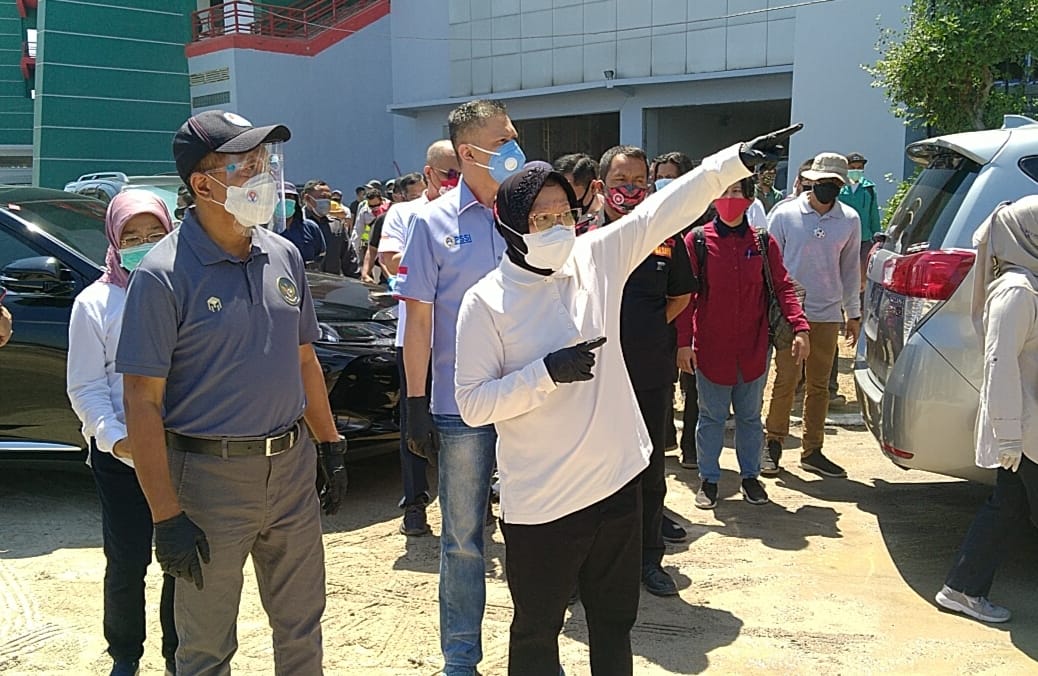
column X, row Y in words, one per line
column 624, row 198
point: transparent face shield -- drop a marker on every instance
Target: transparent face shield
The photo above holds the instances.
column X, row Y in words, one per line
column 255, row 183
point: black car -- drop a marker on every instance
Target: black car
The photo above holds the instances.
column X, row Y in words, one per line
column 52, row 246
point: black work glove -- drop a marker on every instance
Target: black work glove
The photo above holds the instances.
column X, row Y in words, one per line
column 332, row 479
column 573, row 364
column 178, row 544
column 768, row 148
column 422, row 438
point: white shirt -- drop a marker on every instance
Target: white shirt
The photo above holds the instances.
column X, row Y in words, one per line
column 1009, row 391
column 394, row 234
column 564, row 447
column 756, row 216
column 94, row 388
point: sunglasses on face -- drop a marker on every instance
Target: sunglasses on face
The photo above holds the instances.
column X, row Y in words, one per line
column 449, row 174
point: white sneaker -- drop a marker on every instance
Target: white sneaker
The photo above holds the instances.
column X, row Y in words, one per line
column 976, row 607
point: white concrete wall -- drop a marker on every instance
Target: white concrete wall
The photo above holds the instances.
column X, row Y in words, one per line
column 505, row 45
column 832, row 94
column 334, row 103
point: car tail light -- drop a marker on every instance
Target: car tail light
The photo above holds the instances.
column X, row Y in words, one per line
column 932, row 275
column 897, row 452
column 925, row 279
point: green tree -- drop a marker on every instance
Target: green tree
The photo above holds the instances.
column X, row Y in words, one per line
column 942, row 68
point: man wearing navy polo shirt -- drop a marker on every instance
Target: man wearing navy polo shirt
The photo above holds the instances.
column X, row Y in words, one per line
column 221, row 385
column 451, row 245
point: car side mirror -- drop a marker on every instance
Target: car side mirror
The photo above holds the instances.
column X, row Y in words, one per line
column 39, row 275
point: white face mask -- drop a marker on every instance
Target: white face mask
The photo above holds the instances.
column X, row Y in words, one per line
column 548, row 249
column 252, row 203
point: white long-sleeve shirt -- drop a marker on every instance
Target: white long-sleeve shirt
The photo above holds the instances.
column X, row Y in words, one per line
column 94, row 388
column 563, row 447
column 1008, row 414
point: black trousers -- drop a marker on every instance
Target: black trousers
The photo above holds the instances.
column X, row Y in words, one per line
column 655, row 405
column 690, row 416
column 412, row 468
column 127, row 530
column 1011, row 506
column 596, row 550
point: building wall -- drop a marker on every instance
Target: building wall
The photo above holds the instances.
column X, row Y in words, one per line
column 334, row 103
column 15, row 104
column 111, row 87
column 832, row 93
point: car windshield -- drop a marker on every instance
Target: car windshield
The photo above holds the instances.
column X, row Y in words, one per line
column 925, row 214
column 77, row 223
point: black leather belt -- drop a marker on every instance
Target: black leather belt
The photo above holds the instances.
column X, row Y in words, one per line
column 230, row 448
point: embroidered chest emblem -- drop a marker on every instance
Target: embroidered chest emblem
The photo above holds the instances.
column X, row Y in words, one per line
column 819, row 233
column 288, row 290
column 214, row 304
column 452, row 241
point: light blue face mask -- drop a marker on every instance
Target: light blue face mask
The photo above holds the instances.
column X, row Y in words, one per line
column 661, row 183
column 508, row 159
column 286, row 209
column 131, row 257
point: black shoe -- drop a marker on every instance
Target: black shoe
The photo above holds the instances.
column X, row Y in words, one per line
column 688, row 460
column 171, row 667
column 819, row 464
column 706, row 498
column 671, row 531
column 753, row 492
column 657, row 581
column 125, row 668
column 414, row 522
column 769, row 465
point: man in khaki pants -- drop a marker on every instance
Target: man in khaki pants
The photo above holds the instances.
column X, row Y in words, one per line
column 819, row 238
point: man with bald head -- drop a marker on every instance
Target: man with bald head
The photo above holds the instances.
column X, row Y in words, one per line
column 441, row 174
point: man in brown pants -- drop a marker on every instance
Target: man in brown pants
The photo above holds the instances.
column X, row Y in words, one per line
column 819, row 238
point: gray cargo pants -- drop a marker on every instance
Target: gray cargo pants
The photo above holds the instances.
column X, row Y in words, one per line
column 266, row 507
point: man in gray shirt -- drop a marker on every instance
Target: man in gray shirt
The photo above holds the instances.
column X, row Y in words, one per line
column 221, row 386
column 819, row 238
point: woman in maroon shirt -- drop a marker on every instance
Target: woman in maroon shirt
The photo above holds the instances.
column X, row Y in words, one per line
column 723, row 339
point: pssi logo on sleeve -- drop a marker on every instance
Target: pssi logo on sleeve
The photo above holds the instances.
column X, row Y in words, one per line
column 452, row 241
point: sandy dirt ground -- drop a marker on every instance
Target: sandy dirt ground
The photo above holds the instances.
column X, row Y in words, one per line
column 834, row 576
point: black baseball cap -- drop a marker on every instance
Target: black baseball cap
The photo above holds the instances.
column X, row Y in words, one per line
column 217, row 131
column 856, row 157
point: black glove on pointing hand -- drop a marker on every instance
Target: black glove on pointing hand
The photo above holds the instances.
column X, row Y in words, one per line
column 178, row 544
column 422, row 438
column 768, row 148
column 573, row 364
column 332, row 479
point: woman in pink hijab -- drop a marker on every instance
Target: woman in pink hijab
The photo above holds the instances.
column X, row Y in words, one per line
column 135, row 221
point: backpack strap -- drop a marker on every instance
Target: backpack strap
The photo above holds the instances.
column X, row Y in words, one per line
column 699, row 249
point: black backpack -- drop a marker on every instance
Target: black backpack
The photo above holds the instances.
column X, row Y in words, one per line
column 699, row 250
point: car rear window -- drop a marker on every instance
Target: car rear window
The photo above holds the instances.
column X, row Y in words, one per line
column 1029, row 165
column 926, row 213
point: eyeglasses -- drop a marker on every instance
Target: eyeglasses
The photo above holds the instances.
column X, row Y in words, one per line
column 134, row 240
column 449, row 174
column 568, row 218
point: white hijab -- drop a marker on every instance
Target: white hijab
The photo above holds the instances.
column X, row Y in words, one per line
column 1006, row 240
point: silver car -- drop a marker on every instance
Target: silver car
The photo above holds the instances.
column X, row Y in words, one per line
column 918, row 367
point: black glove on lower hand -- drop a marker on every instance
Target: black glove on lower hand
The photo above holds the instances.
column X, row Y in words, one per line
column 422, row 438
column 573, row 364
column 178, row 544
column 332, row 479
column 767, row 149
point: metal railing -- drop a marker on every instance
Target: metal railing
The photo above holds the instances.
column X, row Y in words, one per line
column 301, row 22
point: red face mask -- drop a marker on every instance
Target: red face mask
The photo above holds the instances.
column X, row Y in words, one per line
column 731, row 209
column 624, row 198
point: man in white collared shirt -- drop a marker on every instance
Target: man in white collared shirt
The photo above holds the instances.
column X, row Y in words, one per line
column 572, row 442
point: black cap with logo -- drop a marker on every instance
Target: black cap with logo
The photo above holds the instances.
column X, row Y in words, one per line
column 217, row 131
